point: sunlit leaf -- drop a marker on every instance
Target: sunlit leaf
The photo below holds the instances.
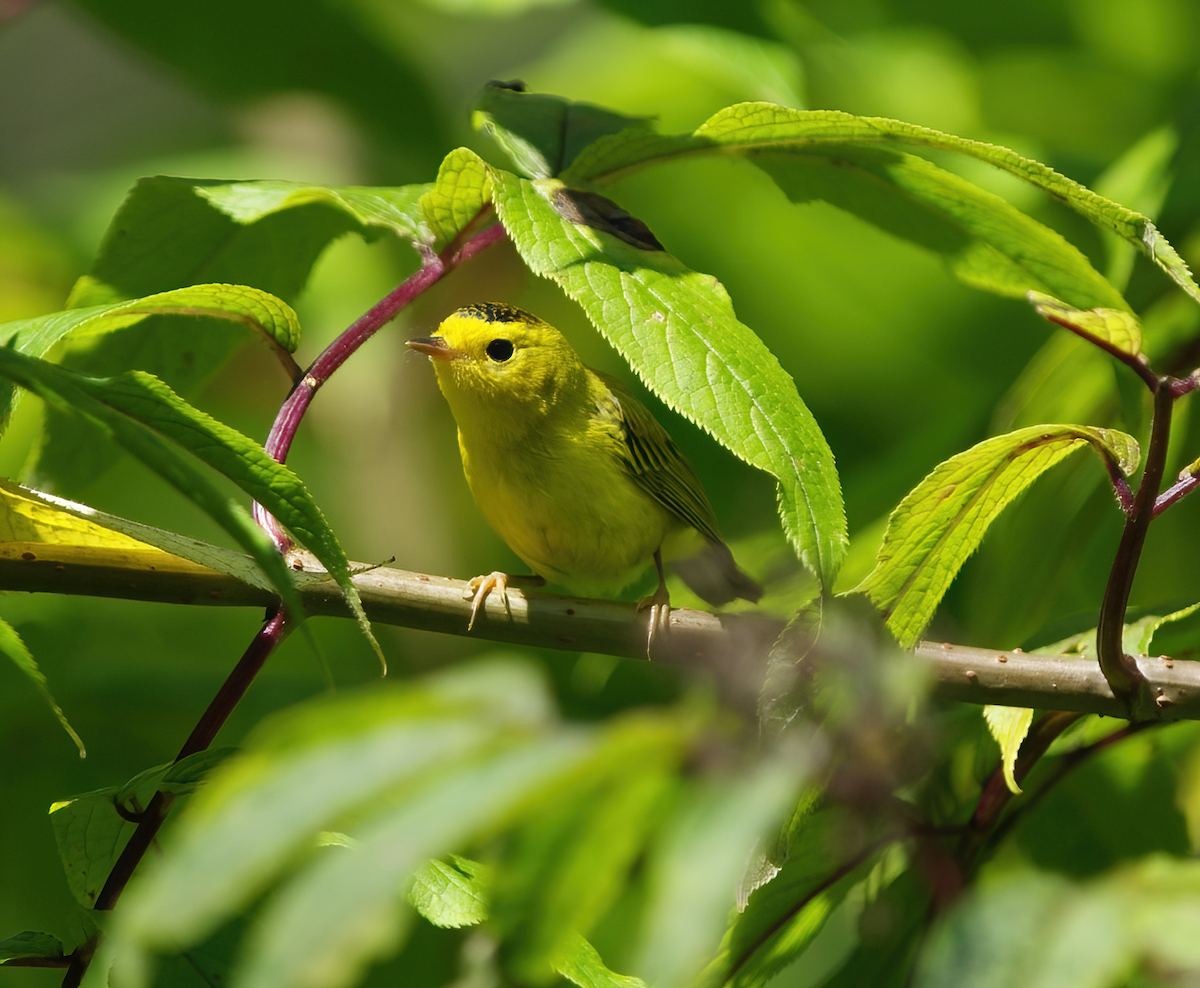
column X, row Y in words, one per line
column 43, row 525
column 581, row 964
column 452, row 895
column 987, row 243
column 394, row 209
column 1009, row 726
column 678, row 330
column 943, row 520
column 748, row 127
column 76, row 394
column 273, row 319
column 1115, row 330
column 462, row 189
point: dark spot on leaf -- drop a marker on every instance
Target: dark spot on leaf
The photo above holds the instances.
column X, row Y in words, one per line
column 590, row 209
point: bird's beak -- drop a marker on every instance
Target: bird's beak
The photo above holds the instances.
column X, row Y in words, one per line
column 434, row 347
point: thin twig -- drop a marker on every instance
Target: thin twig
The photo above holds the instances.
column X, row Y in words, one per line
column 1120, row 671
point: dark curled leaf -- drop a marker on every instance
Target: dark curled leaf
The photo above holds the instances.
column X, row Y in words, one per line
column 600, row 213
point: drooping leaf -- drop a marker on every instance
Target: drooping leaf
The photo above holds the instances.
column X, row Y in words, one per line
column 12, row 646
column 540, row 133
column 1140, row 179
column 273, row 319
column 678, row 331
column 942, row 521
column 987, row 243
column 750, row 127
column 146, row 399
column 1009, row 726
column 75, row 394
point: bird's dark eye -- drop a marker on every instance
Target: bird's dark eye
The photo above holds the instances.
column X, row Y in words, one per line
column 500, row 350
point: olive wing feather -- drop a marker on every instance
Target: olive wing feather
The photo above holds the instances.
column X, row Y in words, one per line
column 657, row 465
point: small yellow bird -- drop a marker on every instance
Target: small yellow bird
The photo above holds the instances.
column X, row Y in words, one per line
column 570, row 470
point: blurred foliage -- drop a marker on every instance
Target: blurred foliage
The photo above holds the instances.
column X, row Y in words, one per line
column 901, row 365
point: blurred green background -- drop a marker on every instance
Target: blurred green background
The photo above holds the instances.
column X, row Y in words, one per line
column 901, row 365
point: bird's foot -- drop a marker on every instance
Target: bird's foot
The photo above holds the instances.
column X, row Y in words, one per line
column 479, row 588
column 659, row 606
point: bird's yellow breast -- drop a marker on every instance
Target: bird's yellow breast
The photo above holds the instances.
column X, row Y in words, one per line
column 565, row 503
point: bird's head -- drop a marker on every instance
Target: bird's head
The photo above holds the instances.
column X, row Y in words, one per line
column 496, row 358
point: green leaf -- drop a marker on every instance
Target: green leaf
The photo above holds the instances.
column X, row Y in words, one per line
column 452, row 895
column 168, row 235
column 76, row 394
column 678, row 331
column 146, row 399
column 784, row 916
column 267, row 315
column 540, row 133
column 1033, row 930
column 43, row 519
column 175, row 232
column 988, row 244
column 581, row 964
column 943, row 520
column 339, row 914
column 747, row 127
column 891, row 929
column 693, row 874
column 1115, row 330
column 90, row 834
column 571, row 862
column 462, row 189
column 1009, row 726
column 186, row 775
column 30, row 945
column 396, row 210
column 316, row 768
column 1141, row 178
column 12, row 646
column 414, row 771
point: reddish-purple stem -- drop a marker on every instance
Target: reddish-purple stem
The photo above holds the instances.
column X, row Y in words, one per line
column 283, row 431
column 1176, row 492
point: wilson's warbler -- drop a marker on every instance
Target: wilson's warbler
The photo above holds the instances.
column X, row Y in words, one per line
column 571, row 470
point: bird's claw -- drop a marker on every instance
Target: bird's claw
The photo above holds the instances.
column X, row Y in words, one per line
column 478, row 589
column 659, row 605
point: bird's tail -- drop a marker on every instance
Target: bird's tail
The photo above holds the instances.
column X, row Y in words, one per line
column 714, row 576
